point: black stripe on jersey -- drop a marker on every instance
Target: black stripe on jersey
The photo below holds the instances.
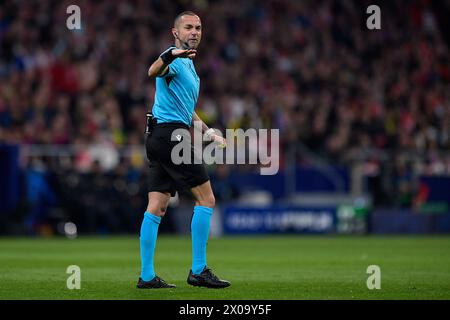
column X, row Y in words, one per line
column 168, row 79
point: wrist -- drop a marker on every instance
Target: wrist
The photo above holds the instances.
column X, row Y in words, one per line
column 167, row 57
column 209, row 133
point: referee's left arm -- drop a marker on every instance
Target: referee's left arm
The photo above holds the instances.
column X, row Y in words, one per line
column 209, row 132
column 195, row 117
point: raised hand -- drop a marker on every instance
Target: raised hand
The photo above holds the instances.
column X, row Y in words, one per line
column 181, row 53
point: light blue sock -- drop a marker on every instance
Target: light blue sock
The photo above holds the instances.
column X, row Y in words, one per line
column 200, row 232
column 149, row 233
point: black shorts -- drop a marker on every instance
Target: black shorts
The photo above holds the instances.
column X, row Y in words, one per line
column 164, row 174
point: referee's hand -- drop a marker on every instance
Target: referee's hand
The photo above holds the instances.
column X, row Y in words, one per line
column 188, row 53
column 220, row 141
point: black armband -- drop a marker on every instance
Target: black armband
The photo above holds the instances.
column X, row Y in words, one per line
column 167, row 57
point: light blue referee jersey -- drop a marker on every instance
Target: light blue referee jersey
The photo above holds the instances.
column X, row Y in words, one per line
column 177, row 92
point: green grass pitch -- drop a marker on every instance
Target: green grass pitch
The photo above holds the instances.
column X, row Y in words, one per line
column 262, row 267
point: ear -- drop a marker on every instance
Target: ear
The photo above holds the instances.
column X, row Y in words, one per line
column 175, row 32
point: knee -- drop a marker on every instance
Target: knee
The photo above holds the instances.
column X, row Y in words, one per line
column 209, row 201
column 156, row 210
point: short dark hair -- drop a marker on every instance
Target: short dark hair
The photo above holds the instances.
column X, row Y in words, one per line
column 184, row 13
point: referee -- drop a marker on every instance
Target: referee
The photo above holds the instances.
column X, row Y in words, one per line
column 177, row 89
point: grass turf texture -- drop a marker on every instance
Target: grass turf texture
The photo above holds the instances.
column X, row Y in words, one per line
column 276, row 267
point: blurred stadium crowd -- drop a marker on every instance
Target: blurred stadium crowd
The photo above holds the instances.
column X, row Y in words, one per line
column 309, row 68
